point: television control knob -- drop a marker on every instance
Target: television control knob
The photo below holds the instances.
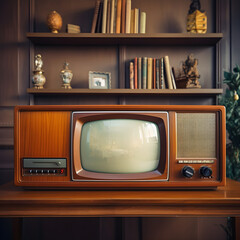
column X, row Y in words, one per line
column 206, row 171
column 187, row 171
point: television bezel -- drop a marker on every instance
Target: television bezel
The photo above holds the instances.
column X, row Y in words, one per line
column 79, row 118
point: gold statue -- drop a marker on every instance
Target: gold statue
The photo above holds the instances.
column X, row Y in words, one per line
column 197, row 19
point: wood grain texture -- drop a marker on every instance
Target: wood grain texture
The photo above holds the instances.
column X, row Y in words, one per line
column 15, row 202
column 41, row 134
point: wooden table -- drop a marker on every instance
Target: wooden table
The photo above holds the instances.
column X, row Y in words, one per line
column 17, row 202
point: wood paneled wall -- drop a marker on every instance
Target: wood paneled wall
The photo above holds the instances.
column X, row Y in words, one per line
column 16, row 18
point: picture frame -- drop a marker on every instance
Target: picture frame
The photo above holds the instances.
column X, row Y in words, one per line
column 99, row 80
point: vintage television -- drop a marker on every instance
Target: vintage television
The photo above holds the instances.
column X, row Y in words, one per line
column 120, row 147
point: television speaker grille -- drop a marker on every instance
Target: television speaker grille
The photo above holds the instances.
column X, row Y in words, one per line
column 196, row 135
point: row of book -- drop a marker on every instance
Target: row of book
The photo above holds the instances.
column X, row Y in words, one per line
column 151, row 73
column 117, row 16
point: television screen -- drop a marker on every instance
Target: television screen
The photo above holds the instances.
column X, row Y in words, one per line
column 120, row 146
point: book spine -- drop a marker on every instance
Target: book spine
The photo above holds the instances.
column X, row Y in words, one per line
column 104, row 17
column 108, row 16
column 162, row 76
column 136, row 20
column 135, row 73
column 139, row 73
column 118, row 18
column 95, row 16
column 149, row 75
column 123, row 17
column 128, row 16
column 131, row 75
column 168, row 72
column 112, row 16
column 154, row 73
column 157, row 74
column 144, row 73
column 173, row 78
column 132, row 21
column 99, row 20
column 143, row 22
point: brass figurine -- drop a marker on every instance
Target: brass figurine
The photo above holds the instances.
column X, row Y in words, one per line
column 54, row 21
column 196, row 19
column 38, row 78
column 190, row 74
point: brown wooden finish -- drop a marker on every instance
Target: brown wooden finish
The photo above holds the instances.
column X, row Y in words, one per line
column 44, row 131
column 41, row 134
column 16, row 202
column 188, row 92
column 161, row 173
column 208, row 39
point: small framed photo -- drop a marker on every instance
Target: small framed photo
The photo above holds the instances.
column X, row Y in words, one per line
column 99, row 80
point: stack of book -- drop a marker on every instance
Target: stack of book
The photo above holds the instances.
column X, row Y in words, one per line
column 73, row 28
column 151, row 73
column 117, row 16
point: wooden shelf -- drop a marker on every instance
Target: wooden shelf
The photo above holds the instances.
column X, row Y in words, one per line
column 209, row 39
column 80, row 91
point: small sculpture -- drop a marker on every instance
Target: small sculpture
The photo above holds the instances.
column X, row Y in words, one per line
column 196, row 19
column 66, row 75
column 191, row 72
column 54, row 21
column 38, row 79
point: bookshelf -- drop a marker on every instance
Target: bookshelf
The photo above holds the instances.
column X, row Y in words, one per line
column 180, row 39
column 181, row 92
column 107, row 52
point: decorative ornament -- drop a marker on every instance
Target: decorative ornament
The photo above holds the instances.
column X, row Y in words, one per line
column 38, row 78
column 190, row 75
column 54, row 21
column 66, row 76
column 197, row 18
column 236, row 97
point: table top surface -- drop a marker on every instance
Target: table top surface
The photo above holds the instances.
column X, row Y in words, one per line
column 224, row 201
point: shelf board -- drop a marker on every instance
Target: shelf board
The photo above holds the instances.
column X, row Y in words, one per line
column 82, row 91
column 208, row 39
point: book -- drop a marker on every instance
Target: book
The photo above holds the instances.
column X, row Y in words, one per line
column 162, row 75
column 143, row 22
column 112, row 30
column 136, row 20
column 131, row 75
column 73, row 28
column 154, row 74
column 104, row 16
column 73, row 31
column 139, row 73
column 149, row 73
column 135, row 73
column 157, row 73
column 99, row 19
column 168, row 72
column 128, row 16
column 95, row 16
column 144, row 73
column 108, row 16
column 132, row 21
column 118, row 17
column 123, row 17
column 173, row 78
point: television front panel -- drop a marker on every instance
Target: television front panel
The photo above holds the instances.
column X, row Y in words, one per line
column 111, row 147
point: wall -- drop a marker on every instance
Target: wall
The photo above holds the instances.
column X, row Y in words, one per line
column 15, row 19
